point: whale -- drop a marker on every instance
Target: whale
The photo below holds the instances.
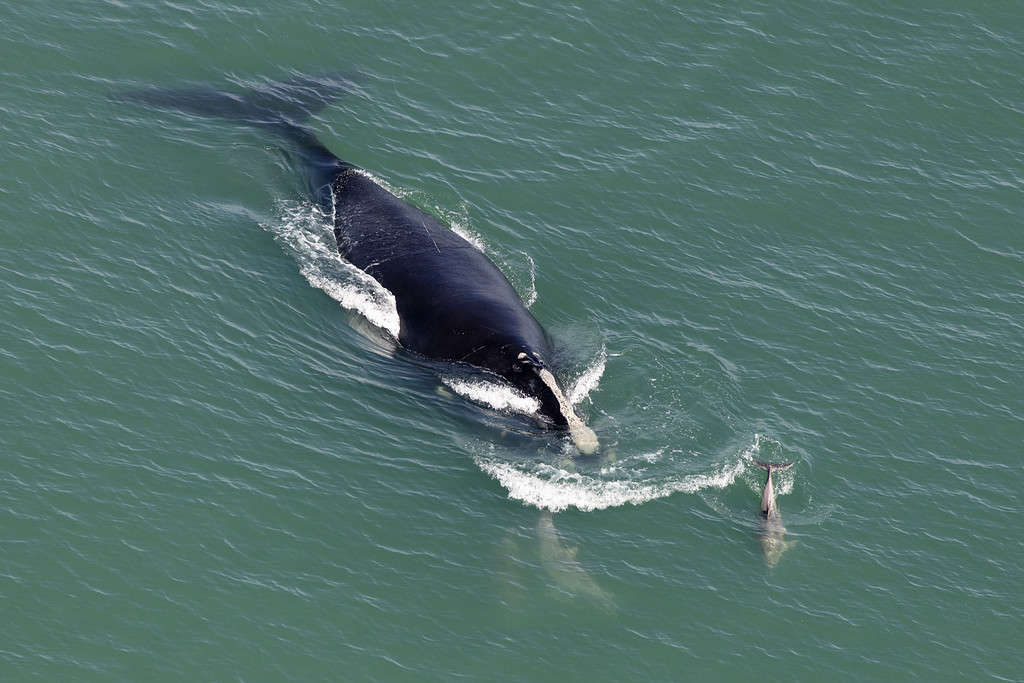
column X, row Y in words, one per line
column 560, row 562
column 454, row 304
column 772, row 531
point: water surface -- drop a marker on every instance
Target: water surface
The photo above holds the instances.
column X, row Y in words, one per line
column 778, row 231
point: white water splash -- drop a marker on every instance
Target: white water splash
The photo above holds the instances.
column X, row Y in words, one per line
column 550, row 488
column 531, row 293
column 588, row 380
column 783, row 486
column 553, row 488
column 398, row 192
column 497, row 396
column 462, row 231
column 307, row 234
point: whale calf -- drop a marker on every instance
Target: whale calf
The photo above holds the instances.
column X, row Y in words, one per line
column 559, row 561
column 772, row 533
column 453, row 303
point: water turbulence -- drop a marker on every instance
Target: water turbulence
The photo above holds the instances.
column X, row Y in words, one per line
column 308, row 235
column 493, row 394
column 633, row 480
column 528, row 290
column 588, row 379
column 496, row 394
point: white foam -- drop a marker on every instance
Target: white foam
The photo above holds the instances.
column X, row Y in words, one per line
column 462, row 231
column 531, row 293
column 376, row 306
column 497, row 396
column 307, row 233
column 550, row 488
column 589, row 380
column 651, row 457
column 383, row 183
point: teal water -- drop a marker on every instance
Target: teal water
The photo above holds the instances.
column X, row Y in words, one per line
column 784, row 231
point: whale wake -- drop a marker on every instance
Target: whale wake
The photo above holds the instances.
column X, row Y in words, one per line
column 628, row 481
column 307, row 234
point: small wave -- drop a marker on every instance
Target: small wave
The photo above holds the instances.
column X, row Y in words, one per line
column 589, row 379
column 398, row 192
column 307, row 234
column 377, row 307
column 550, row 488
column 497, row 396
column 462, row 231
column 531, row 292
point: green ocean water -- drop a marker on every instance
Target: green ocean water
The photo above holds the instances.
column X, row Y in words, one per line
column 785, row 231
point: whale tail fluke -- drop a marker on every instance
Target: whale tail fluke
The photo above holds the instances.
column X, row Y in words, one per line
column 270, row 104
column 773, row 466
column 282, row 107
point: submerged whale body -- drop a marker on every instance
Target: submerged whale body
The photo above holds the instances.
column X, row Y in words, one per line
column 453, row 303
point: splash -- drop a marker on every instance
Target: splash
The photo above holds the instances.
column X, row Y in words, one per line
column 627, row 482
column 551, row 488
column 493, row 394
column 589, row 379
column 307, row 234
column 460, row 229
column 531, row 291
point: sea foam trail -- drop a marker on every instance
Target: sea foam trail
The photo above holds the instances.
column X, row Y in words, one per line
column 308, row 235
column 549, row 487
column 462, row 231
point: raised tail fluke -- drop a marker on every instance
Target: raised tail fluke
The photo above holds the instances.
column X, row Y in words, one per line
column 770, row 467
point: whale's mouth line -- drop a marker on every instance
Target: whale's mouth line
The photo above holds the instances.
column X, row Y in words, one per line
column 582, row 435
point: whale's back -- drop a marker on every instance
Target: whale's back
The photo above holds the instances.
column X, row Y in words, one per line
column 450, row 297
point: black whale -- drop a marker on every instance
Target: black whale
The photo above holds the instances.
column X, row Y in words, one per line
column 453, row 303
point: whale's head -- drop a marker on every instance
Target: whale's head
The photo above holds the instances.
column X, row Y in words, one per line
column 529, row 374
